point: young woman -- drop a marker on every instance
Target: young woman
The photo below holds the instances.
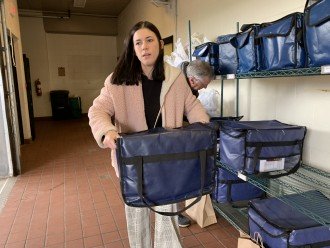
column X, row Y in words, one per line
column 143, row 92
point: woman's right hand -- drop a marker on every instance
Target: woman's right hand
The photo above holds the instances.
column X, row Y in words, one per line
column 110, row 139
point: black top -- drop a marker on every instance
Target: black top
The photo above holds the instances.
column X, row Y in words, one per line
column 151, row 95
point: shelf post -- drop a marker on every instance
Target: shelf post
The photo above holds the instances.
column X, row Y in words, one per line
column 237, row 82
column 189, row 33
column 237, row 97
column 221, row 98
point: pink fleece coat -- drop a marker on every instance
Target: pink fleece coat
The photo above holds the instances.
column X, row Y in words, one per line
column 125, row 106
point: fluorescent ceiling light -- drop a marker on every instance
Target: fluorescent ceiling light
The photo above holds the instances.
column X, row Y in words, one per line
column 159, row 3
column 79, row 3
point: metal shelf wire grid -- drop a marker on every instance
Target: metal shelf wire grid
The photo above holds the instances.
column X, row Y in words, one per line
column 305, row 179
column 237, row 217
column 279, row 73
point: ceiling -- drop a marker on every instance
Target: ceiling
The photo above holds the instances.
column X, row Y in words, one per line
column 92, row 7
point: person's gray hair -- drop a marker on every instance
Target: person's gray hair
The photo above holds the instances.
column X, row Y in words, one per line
column 200, row 69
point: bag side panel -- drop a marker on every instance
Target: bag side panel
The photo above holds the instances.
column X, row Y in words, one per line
column 271, row 236
column 232, row 150
column 317, row 37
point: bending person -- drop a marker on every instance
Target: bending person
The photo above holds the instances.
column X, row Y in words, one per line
column 198, row 74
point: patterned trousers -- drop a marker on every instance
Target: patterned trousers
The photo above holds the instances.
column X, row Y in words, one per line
column 167, row 233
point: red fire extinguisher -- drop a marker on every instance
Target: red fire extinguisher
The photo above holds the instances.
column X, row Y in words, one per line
column 37, row 83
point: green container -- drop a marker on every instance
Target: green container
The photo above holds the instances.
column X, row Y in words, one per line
column 75, row 106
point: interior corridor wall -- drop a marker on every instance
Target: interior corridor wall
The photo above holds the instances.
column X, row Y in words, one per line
column 296, row 100
column 13, row 26
column 87, row 61
column 35, row 47
column 163, row 17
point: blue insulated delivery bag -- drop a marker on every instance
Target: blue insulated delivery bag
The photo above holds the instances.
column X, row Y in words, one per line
column 261, row 146
column 282, row 226
column 163, row 166
column 221, row 119
column 208, row 52
column 248, row 48
column 227, row 55
column 282, row 44
column 218, row 120
column 229, row 188
column 317, row 33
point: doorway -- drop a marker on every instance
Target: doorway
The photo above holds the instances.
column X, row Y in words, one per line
column 12, row 166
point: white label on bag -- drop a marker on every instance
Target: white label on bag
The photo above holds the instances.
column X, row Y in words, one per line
column 325, row 69
column 242, row 176
column 273, row 164
column 230, row 76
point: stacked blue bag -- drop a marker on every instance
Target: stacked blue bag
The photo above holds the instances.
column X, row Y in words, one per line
column 297, row 40
column 317, row 33
column 248, row 48
column 282, row 226
column 261, row 146
column 229, row 188
column 208, row 52
column 227, row 55
column 167, row 165
column 282, row 44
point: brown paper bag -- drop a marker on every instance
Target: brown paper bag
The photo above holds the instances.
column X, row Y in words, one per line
column 202, row 212
column 244, row 241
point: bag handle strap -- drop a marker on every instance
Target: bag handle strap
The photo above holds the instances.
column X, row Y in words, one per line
column 258, row 239
column 257, row 152
column 202, row 158
column 226, row 132
column 293, row 17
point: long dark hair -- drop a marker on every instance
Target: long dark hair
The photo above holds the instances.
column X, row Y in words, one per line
column 128, row 69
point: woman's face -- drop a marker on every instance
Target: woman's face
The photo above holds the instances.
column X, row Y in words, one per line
column 146, row 47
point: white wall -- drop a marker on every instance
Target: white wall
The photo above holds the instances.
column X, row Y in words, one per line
column 298, row 100
column 35, row 47
column 87, row 60
column 216, row 17
column 143, row 10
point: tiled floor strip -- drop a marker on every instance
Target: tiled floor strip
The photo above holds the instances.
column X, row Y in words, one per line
column 68, row 196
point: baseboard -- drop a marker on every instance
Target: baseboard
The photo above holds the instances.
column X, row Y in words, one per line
column 50, row 118
column 43, row 118
column 28, row 141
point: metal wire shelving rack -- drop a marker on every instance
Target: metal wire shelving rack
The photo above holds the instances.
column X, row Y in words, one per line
column 312, row 71
column 307, row 181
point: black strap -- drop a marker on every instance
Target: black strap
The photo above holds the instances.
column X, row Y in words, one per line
column 166, row 157
column 292, row 24
column 275, row 143
column 246, row 27
column 139, row 168
column 230, row 200
column 307, row 11
column 315, row 245
column 257, row 152
column 256, row 157
column 231, row 181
